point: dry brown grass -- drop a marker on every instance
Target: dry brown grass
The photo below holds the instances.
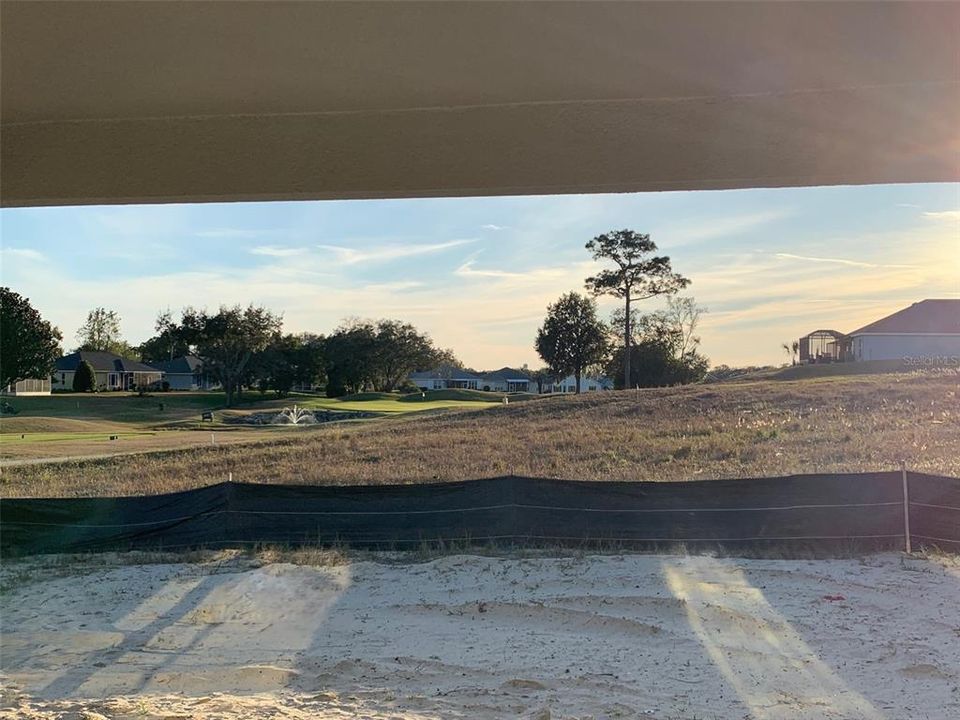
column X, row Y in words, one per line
column 697, row 432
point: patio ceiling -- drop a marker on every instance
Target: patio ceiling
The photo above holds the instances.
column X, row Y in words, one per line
column 117, row 102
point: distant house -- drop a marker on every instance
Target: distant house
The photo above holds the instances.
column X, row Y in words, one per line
column 926, row 329
column 31, row 386
column 587, row 384
column 113, row 372
column 446, row 377
column 504, row 380
column 507, row 380
column 185, row 373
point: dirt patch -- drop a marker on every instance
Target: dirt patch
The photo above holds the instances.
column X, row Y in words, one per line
column 620, row 636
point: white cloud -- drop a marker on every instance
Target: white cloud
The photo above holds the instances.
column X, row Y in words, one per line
column 275, row 251
column 695, row 231
column 467, row 270
column 24, row 253
column 838, row 261
column 491, row 226
column 384, row 253
column 945, row 215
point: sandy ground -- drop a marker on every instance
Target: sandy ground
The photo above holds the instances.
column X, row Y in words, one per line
column 633, row 636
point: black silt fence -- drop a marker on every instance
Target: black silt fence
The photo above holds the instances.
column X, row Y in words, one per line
column 803, row 511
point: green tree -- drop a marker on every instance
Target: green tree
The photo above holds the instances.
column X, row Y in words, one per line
column 84, row 378
column 29, row 345
column 289, row 360
column 572, row 337
column 101, row 332
column 378, row 355
column 399, row 350
column 350, row 353
column 639, row 275
column 665, row 347
column 168, row 343
column 227, row 340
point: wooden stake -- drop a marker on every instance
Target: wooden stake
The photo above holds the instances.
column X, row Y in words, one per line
column 906, row 507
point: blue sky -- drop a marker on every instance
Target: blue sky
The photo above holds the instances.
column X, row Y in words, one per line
column 477, row 273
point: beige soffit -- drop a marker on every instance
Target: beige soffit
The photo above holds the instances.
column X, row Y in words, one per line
column 116, row 102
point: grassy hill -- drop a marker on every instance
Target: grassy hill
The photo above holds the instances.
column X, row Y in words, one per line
column 744, row 429
column 812, row 372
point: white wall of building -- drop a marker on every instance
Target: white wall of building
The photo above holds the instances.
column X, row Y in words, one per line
column 430, row 383
column 569, row 385
column 106, row 380
column 900, row 347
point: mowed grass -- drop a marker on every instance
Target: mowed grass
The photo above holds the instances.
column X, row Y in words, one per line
column 112, row 411
column 43, row 437
column 127, row 408
column 74, row 426
column 842, row 424
column 393, row 404
column 114, row 407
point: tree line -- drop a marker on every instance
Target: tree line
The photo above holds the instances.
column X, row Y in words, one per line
column 240, row 347
column 245, row 347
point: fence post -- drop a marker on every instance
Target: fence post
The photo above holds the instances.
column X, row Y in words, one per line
column 906, row 507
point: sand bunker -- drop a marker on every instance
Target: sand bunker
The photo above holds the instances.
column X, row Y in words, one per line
column 470, row 637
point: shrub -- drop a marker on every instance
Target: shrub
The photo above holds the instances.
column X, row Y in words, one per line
column 85, row 378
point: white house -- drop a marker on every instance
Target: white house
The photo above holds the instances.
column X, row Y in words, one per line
column 446, row 377
column 587, row 384
column 926, row 332
column 507, row 380
column 185, row 373
column 113, row 372
column 504, row 380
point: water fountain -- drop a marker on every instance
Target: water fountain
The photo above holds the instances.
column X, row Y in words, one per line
column 296, row 416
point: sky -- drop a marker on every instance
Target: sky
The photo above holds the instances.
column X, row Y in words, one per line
column 478, row 273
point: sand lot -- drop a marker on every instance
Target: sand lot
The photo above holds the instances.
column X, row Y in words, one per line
column 631, row 636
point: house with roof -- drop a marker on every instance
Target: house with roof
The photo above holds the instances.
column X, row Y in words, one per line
column 926, row 329
column 505, row 380
column 508, row 380
column 185, row 373
column 446, row 377
column 113, row 372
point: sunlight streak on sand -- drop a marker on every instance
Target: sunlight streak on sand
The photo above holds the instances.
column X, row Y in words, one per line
column 746, row 638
